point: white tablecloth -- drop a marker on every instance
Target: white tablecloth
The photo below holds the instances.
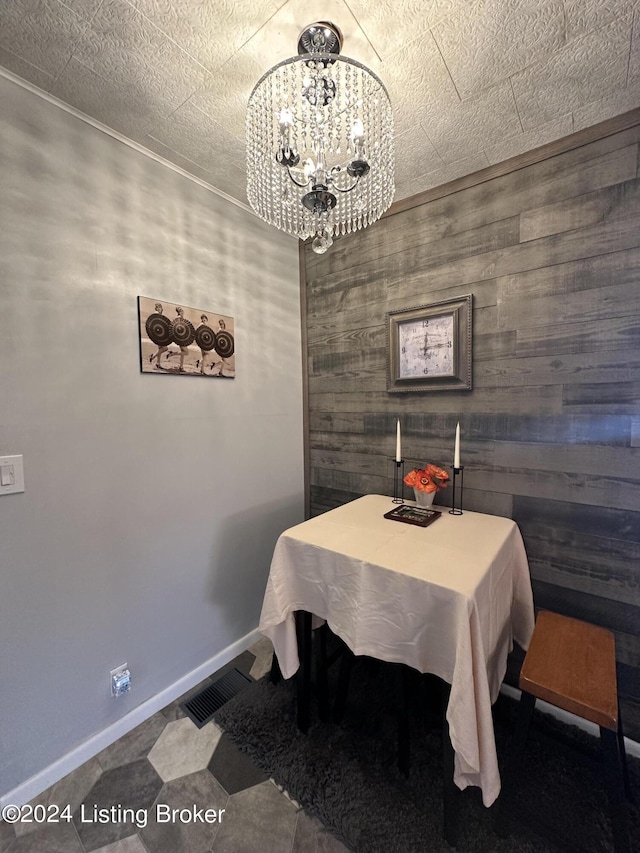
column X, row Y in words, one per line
column 447, row 599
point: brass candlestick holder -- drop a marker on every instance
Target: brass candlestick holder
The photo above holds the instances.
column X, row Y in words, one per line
column 458, row 489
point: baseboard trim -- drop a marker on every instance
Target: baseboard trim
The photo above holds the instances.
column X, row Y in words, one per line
column 632, row 747
column 35, row 785
column 101, row 740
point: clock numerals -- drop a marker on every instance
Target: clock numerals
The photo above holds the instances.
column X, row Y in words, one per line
column 426, row 347
column 429, row 346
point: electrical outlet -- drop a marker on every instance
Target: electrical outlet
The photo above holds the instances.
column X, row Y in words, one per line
column 120, row 680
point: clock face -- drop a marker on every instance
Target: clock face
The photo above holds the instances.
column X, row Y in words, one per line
column 427, row 347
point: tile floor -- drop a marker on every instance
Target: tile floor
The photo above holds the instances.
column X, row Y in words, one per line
column 123, row 800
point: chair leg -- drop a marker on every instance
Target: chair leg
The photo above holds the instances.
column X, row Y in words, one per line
column 525, row 712
column 614, row 779
column 623, row 758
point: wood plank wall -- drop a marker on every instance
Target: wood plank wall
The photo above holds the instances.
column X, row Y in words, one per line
column 551, row 429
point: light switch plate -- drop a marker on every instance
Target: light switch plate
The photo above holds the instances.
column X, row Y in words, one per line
column 16, row 474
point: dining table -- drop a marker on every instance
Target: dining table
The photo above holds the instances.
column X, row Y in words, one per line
column 449, row 599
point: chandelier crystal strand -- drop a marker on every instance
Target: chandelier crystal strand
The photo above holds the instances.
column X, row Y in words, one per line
column 320, row 159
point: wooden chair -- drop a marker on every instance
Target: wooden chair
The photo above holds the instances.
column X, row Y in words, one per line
column 572, row 665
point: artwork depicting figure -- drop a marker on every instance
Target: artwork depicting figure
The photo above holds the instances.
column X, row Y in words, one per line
column 206, row 340
column 224, row 347
column 158, row 329
column 190, row 345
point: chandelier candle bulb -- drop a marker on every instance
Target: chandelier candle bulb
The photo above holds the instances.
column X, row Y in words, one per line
column 456, row 451
column 357, row 131
column 398, row 442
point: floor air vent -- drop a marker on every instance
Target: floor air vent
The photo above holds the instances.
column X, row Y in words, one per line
column 201, row 707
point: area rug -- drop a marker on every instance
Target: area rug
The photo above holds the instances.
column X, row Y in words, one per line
column 347, row 774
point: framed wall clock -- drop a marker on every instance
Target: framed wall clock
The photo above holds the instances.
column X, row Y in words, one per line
column 429, row 347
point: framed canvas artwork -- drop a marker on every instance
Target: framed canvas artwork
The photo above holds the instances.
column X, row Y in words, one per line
column 182, row 341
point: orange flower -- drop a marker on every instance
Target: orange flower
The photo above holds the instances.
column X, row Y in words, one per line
column 427, row 485
column 412, row 477
column 437, row 473
column 429, row 479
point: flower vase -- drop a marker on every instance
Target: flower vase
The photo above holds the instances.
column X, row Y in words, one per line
column 424, row 498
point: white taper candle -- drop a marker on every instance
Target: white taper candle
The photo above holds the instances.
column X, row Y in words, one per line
column 456, row 452
column 398, row 442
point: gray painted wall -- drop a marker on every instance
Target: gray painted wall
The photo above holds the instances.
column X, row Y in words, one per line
column 551, row 429
column 152, row 503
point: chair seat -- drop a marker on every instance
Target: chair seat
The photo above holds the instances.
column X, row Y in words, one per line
column 572, row 664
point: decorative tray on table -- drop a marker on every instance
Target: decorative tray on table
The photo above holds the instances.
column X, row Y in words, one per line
column 420, row 515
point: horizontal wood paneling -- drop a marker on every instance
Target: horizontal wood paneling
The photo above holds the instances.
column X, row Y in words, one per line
column 604, row 460
column 606, row 205
column 522, row 257
column 618, row 397
column 610, row 333
column 545, row 399
column 601, row 303
column 354, row 310
column 600, row 521
column 547, row 183
column 435, row 248
column 569, row 369
column 616, row 268
column 618, row 616
column 551, row 429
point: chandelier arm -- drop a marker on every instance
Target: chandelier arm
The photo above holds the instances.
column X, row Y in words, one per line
column 348, row 189
column 366, row 96
column 297, row 183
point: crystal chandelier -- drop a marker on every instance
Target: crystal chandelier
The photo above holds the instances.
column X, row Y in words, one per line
column 319, row 142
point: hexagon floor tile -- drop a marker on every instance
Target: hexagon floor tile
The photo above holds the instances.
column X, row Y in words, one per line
column 117, row 804
column 175, row 826
column 259, row 818
column 233, row 769
column 182, row 748
column 168, row 763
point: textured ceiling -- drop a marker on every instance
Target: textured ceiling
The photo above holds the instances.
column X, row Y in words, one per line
column 472, row 82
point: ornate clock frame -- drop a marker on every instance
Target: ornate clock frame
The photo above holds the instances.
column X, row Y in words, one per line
column 443, row 364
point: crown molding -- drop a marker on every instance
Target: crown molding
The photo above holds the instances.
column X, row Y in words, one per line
column 130, row 143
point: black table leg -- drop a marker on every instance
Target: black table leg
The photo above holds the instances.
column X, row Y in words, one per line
column 403, row 688
column 346, row 665
column 303, row 676
column 275, row 675
column 503, row 808
column 450, row 789
column 322, row 674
